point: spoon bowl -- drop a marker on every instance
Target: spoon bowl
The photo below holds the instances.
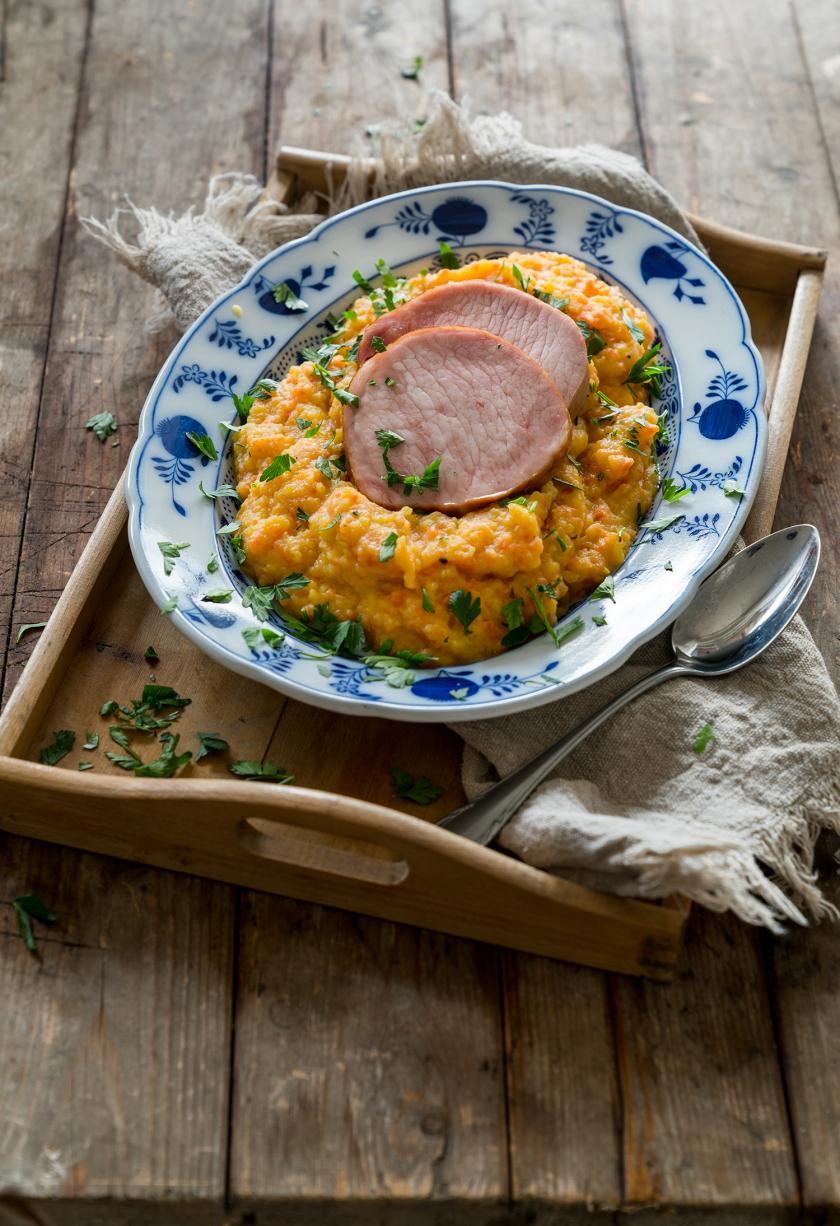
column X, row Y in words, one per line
column 746, row 604
column 735, row 614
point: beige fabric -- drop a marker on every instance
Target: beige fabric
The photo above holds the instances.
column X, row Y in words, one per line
column 634, row 810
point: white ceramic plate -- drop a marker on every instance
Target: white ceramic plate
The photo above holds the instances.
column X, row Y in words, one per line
column 713, row 400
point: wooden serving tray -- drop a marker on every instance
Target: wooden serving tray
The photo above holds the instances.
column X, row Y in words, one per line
column 338, row 837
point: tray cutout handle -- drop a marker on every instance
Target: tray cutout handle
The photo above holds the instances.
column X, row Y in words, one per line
column 313, row 851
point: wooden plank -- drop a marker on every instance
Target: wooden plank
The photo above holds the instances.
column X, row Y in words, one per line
column 335, row 72
column 139, row 1110
column 565, row 1149
column 379, row 1072
column 805, row 969
column 770, row 176
column 425, row 1010
column 33, row 190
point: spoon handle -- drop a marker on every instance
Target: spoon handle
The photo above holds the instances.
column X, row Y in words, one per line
column 483, row 818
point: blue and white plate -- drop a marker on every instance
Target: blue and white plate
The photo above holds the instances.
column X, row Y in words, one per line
column 713, row 400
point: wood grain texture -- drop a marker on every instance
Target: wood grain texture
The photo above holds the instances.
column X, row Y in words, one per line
column 359, row 1100
column 131, row 1091
column 561, row 1095
column 37, row 41
column 336, row 71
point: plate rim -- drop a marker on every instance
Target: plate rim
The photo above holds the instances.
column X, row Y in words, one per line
column 438, row 712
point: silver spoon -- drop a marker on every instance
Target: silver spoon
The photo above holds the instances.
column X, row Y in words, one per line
column 737, row 612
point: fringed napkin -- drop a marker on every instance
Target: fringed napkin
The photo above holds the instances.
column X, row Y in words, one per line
column 635, row 810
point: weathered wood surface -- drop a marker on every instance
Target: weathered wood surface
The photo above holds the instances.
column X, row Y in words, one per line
column 379, row 1074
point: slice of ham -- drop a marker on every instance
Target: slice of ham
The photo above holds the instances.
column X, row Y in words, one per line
column 488, row 410
column 551, row 338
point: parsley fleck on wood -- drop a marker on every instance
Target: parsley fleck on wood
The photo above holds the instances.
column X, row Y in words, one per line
column 103, row 425
column 420, row 790
column 261, row 772
column 62, row 742
column 28, row 907
column 26, row 628
column 210, row 742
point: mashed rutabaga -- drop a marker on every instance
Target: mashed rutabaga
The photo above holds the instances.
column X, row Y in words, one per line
column 455, row 588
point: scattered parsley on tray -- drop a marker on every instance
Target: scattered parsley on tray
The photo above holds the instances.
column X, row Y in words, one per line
column 420, row 790
column 261, row 772
column 62, row 742
column 210, row 742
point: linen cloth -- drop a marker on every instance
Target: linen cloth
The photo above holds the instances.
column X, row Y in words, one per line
column 634, row 810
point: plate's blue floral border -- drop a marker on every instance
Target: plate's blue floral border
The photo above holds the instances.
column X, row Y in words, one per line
column 727, row 407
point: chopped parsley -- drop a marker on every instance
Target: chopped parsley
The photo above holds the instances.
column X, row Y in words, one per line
column 210, row 742
column 331, row 524
column 103, row 425
column 324, row 467
column 513, row 616
column 221, row 491
column 420, row 790
column 634, row 330
column 412, row 73
column 204, row 444
column 170, row 553
column 377, row 344
column 322, row 627
column 397, row 669
column 594, row 340
column 605, row 590
column 672, row 492
column 446, row 256
column 656, row 526
column 279, row 465
column 25, row 629
column 388, row 547
column 426, row 601
column 212, row 564
column 283, row 294
column 389, row 382
column 669, row 566
column 253, row 634
column 91, row 741
column 703, row 738
column 648, row 370
column 428, row 479
column 732, row 490
column 62, row 743
column 465, row 607
column 261, row 772
column 363, row 284
column 222, row 595
column 28, row 907
column 301, row 516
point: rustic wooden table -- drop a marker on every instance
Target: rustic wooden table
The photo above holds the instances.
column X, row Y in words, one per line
column 187, row 1052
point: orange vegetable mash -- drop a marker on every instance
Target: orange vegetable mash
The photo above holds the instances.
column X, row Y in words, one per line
column 563, row 538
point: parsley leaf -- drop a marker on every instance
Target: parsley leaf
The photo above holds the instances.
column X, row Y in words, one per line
column 655, row 526
column 605, row 590
column 427, row 480
column 210, row 742
column 465, row 607
column 426, row 601
column 28, row 907
column 293, row 582
column 91, row 741
column 388, row 547
column 412, row 73
column 377, row 344
column 594, row 340
column 446, row 256
column 148, row 654
column 283, row 294
column 324, row 467
column 260, row 600
column 634, row 330
column 26, row 627
column 261, row 772
column 513, row 615
column 421, row 791
column 599, row 619
column 321, row 626
column 732, row 490
column 169, row 605
column 62, row 743
column 221, row 491
column 103, row 425
column 204, row 444
column 672, row 492
column 648, row 370
column 279, row 465
column 253, row 634
column 222, row 595
column 167, row 764
column 170, row 552
column 703, row 737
